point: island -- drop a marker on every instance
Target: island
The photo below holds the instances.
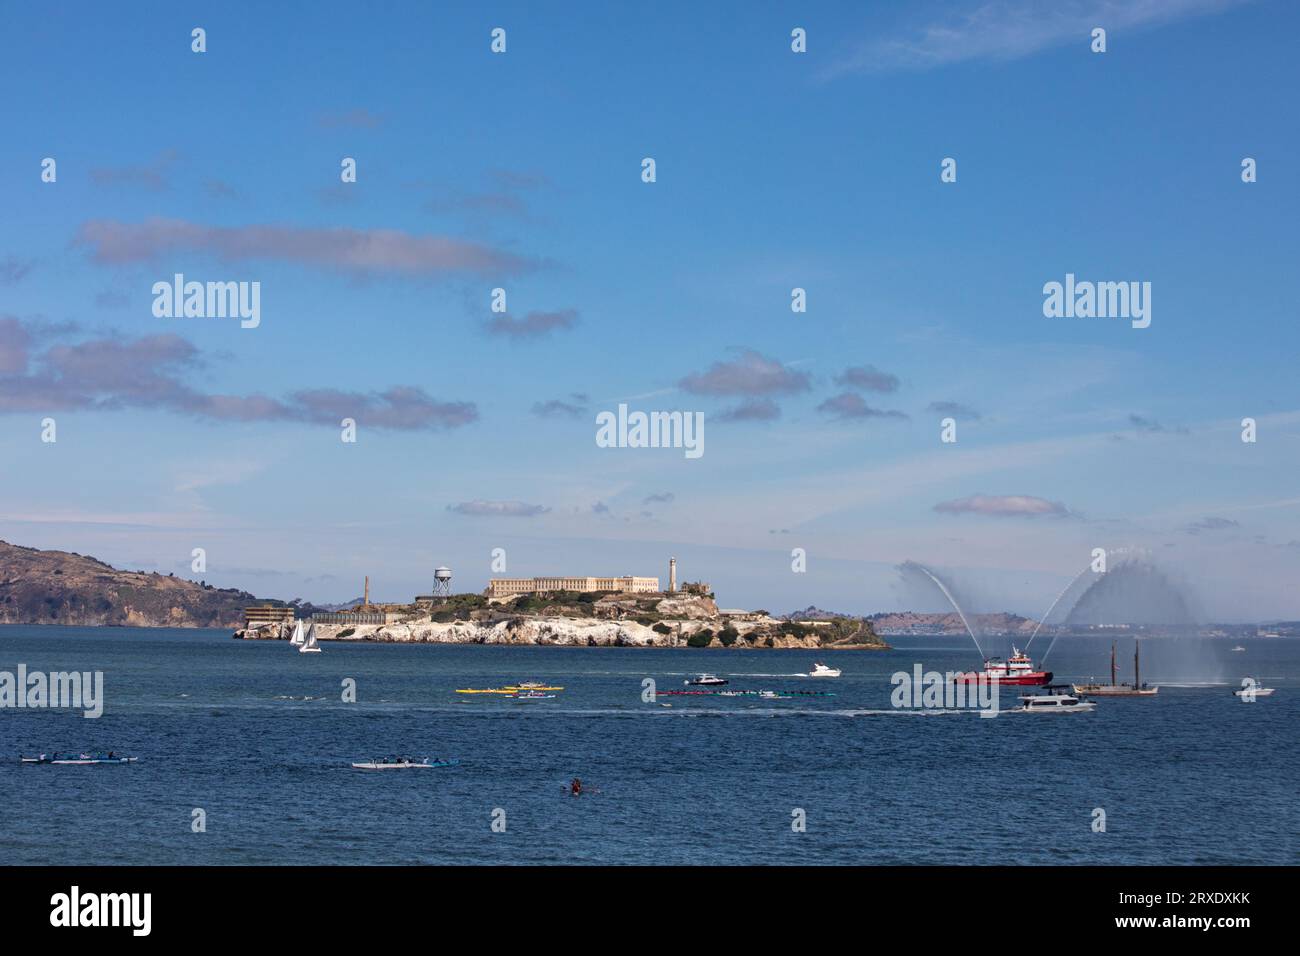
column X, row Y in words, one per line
column 577, row 619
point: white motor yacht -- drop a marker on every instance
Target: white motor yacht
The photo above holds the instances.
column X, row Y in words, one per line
column 1053, row 704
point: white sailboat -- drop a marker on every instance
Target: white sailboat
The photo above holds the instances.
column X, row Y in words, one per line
column 309, row 642
column 297, row 640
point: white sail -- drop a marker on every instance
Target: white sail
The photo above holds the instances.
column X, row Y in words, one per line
column 309, row 643
column 297, row 639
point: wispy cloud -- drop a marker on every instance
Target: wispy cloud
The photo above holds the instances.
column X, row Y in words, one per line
column 752, row 410
column 868, row 378
column 488, row 509
column 155, row 372
column 1144, row 424
column 573, row 407
column 220, row 189
column 1211, row 523
column 358, row 118
column 152, row 176
column 533, row 325
column 1010, row 29
column 751, row 374
column 956, row 409
column 1003, row 506
column 506, row 194
column 664, row 498
column 850, row 405
column 381, row 251
column 13, row 269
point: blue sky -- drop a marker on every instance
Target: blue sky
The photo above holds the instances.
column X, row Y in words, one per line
column 774, row 170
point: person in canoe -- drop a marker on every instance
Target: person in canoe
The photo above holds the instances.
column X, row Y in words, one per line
column 575, row 788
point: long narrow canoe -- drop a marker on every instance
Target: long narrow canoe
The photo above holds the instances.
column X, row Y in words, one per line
column 488, row 690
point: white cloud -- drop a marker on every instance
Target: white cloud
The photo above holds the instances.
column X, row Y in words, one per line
column 1010, row 29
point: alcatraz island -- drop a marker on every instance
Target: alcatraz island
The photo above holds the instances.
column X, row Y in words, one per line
column 567, row 611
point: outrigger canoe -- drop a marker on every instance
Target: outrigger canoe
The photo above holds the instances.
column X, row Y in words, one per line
column 503, row 690
column 489, row 690
column 82, row 760
column 404, row 764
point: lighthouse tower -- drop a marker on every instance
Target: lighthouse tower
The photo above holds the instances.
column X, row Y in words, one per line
column 672, row 575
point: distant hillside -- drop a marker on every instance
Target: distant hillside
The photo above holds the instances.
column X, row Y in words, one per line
column 59, row 587
column 915, row 622
column 813, row 613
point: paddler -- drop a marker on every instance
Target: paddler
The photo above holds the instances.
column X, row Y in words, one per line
column 576, row 787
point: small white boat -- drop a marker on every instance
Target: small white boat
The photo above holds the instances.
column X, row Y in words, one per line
column 1053, row 704
column 1238, row 648
column 1251, row 688
column 705, row 680
column 297, row 639
column 821, row 670
column 309, row 642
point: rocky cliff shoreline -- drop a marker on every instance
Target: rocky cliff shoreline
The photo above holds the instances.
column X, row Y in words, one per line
column 566, row 631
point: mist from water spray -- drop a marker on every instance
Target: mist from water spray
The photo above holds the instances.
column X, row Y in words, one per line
column 1134, row 593
column 1052, row 607
column 1043, row 620
column 1064, row 591
column 907, row 566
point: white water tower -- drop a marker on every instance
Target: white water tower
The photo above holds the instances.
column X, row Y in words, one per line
column 442, row 582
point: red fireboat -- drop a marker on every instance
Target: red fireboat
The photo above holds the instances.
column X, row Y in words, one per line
column 1016, row 671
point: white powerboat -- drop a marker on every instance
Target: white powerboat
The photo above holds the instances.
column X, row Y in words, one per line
column 1053, row 704
column 1251, row 688
column 821, row 670
column 705, row 680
